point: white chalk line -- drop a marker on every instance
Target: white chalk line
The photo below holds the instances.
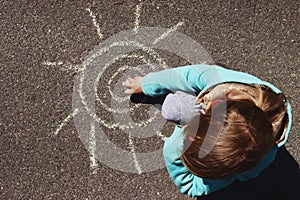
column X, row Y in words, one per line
column 121, row 69
column 92, row 149
column 106, row 107
column 95, row 23
column 114, row 96
column 137, row 17
column 148, row 50
column 76, row 68
column 117, row 125
column 63, row 66
column 50, row 63
column 122, row 43
column 66, row 120
column 161, row 136
column 168, row 32
column 135, row 160
column 91, row 113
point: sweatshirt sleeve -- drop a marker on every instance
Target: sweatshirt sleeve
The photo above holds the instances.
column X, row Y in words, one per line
column 192, row 79
column 187, row 182
column 187, row 78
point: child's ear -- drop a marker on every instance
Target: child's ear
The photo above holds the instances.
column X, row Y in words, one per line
column 204, row 104
column 207, row 101
column 208, row 106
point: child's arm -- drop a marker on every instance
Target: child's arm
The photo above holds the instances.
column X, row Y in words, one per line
column 192, row 78
column 188, row 79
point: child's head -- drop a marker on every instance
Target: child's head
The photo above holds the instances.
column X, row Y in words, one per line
column 253, row 123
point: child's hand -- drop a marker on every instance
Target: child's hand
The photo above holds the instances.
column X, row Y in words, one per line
column 133, row 85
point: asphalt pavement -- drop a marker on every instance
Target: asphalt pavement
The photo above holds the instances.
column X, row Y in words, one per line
column 44, row 45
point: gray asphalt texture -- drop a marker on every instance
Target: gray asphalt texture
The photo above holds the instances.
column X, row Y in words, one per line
column 257, row 37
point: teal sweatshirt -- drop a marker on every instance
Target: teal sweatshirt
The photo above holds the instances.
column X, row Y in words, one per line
column 197, row 79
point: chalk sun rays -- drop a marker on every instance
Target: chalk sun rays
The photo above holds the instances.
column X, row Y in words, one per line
column 77, row 68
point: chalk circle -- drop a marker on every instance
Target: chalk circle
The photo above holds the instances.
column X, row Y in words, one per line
column 100, row 58
column 118, row 108
column 118, row 96
column 144, row 128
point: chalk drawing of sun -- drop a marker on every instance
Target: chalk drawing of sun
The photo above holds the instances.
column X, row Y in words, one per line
column 141, row 44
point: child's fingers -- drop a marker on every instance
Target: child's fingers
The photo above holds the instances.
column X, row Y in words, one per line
column 127, row 83
column 131, row 85
column 130, row 80
column 129, row 91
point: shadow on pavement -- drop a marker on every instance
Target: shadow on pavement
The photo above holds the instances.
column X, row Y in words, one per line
column 280, row 181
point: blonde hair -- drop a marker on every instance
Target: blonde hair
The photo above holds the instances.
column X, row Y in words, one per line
column 254, row 121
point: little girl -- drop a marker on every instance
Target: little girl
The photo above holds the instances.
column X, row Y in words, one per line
column 229, row 124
